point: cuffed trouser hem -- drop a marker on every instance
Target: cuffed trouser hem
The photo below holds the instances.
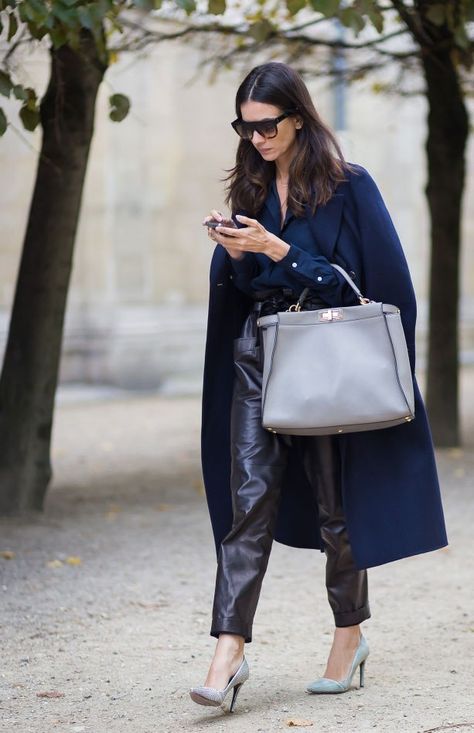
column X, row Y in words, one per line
column 230, row 625
column 352, row 618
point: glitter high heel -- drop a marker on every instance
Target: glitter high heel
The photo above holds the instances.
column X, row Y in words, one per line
column 212, row 696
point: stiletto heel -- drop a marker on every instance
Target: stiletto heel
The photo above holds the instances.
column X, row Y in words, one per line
column 212, row 696
column 325, row 685
column 362, row 670
column 234, row 696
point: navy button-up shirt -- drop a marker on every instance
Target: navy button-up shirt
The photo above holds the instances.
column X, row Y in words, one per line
column 303, row 266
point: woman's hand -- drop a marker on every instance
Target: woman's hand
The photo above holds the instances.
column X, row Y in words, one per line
column 217, row 216
column 252, row 238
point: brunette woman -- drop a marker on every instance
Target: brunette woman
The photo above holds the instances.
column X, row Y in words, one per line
column 363, row 499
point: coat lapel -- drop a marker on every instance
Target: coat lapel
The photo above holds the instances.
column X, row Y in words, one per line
column 326, row 223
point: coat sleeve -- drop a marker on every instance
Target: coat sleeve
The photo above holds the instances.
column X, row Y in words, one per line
column 385, row 269
column 244, row 271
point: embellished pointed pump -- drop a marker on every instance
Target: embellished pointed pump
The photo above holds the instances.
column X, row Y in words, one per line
column 326, row 685
column 213, row 697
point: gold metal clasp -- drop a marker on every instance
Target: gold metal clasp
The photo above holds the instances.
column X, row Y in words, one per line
column 332, row 314
column 295, row 308
column 364, row 301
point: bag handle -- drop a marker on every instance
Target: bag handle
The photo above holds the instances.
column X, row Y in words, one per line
column 363, row 301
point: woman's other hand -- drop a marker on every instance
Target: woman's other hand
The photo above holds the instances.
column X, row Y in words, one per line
column 253, row 237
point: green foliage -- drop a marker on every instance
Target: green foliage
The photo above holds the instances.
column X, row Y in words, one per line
column 5, row 84
column 354, row 15
column 188, row 5
column 29, row 117
column 29, row 110
column 63, row 21
column 216, row 7
column 261, row 30
column 352, row 18
column 119, row 107
column 328, row 8
column 294, row 6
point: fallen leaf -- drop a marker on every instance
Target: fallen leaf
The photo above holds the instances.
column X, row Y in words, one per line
column 50, row 694
column 54, row 564
column 7, row 554
column 73, row 560
column 299, row 722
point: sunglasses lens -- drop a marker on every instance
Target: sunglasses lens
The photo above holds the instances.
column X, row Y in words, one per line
column 267, row 129
column 241, row 128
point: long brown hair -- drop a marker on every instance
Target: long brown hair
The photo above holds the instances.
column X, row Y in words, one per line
column 318, row 164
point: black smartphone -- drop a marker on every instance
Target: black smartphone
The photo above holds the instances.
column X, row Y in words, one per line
column 213, row 223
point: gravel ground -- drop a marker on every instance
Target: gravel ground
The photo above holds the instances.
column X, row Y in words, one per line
column 106, row 598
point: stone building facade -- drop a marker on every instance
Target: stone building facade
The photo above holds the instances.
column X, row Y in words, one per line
column 137, row 304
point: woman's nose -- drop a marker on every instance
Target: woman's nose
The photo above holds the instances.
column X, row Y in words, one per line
column 257, row 137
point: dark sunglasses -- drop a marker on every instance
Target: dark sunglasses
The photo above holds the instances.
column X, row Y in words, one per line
column 266, row 128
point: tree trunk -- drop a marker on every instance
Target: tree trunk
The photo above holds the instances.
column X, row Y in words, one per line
column 30, row 370
column 448, row 130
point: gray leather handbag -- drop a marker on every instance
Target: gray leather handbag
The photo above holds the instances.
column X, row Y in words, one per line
column 335, row 370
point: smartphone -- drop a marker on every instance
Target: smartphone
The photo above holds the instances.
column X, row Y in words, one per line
column 212, row 223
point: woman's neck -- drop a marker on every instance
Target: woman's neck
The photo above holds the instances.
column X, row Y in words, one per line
column 282, row 176
column 282, row 166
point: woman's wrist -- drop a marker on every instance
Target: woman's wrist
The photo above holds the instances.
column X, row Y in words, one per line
column 277, row 248
column 235, row 254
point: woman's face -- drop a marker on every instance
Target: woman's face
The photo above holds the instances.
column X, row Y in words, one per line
column 274, row 148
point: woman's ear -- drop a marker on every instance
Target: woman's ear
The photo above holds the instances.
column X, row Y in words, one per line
column 298, row 123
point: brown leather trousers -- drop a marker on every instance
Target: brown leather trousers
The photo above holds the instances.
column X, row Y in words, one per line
column 258, row 463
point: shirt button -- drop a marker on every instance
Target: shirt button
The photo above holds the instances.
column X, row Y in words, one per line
column 319, row 278
column 294, row 264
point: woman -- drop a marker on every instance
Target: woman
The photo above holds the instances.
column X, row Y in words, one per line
column 300, row 206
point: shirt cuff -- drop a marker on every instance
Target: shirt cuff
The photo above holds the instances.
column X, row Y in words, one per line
column 302, row 264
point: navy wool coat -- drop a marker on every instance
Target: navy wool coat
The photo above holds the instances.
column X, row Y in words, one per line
column 390, row 489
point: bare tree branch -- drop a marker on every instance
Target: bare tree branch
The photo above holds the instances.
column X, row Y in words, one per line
column 147, row 36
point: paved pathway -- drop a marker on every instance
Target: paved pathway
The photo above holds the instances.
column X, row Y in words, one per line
column 106, row 601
